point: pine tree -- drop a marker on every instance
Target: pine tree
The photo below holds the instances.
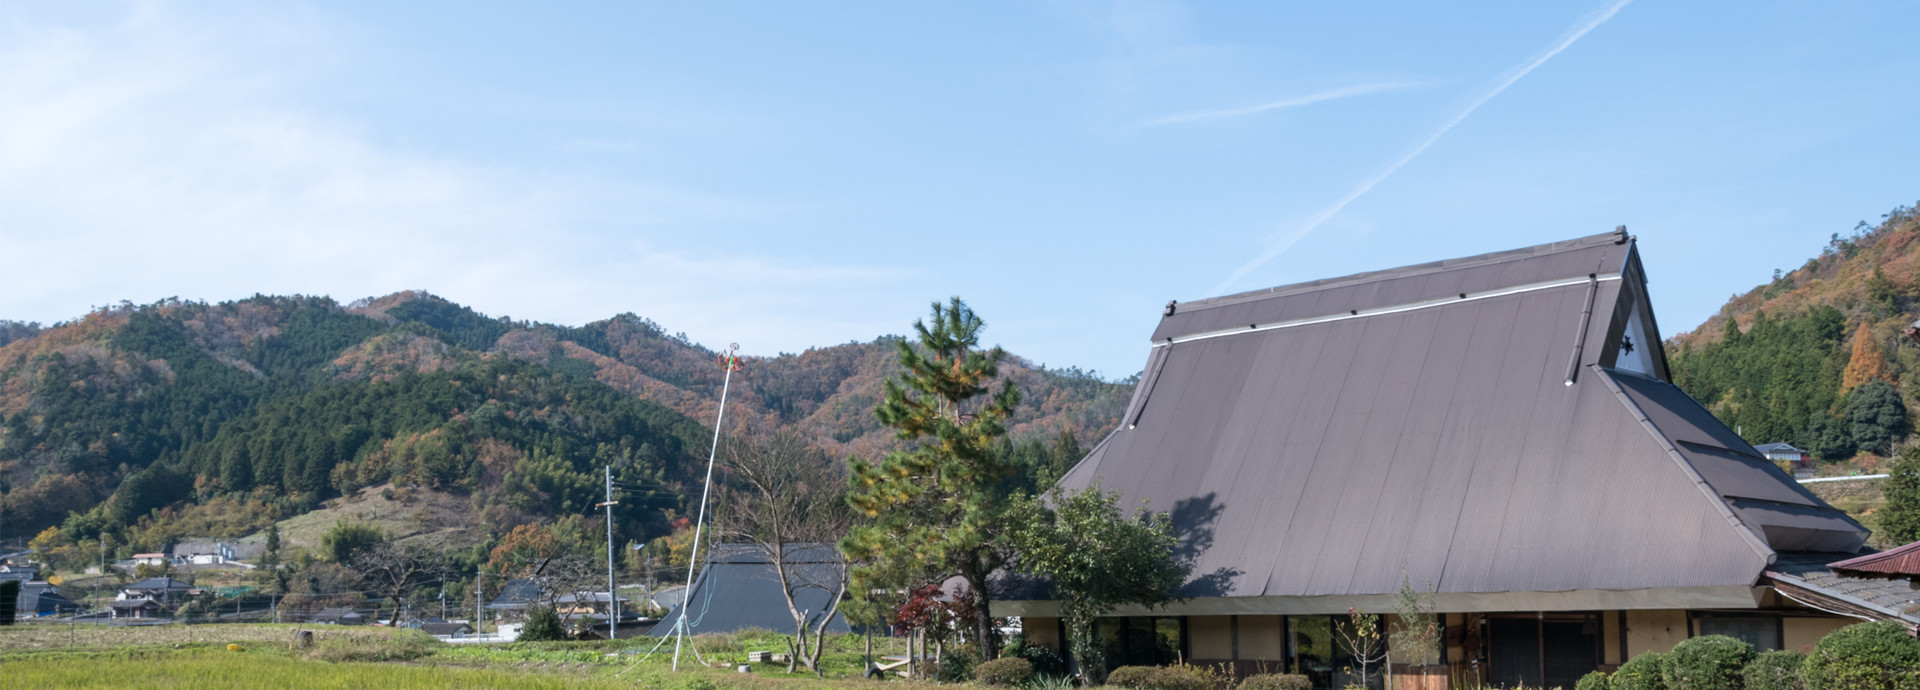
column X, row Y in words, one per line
column 1900, row 520
column 1878, row 416
column 932, row 509
column 1867, row 363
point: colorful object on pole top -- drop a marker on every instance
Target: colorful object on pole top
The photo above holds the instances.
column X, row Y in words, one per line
column 730, row 360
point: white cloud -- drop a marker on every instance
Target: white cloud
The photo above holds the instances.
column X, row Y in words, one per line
column 166, row 153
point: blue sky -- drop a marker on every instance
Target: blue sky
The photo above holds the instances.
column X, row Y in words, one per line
column 788, row 175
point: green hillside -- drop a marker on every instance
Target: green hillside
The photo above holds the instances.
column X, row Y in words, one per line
column 1819, row 356
column 148, row 423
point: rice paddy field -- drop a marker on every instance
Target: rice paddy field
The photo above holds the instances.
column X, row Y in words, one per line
column 210, row 657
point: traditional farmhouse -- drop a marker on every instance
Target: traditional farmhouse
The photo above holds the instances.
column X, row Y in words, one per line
column 1499, row 430
column 338, row 615
column 514, row 598
column 740, row 588
column 42, row 599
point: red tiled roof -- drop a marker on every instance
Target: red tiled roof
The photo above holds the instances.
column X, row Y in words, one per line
column 1904, row 560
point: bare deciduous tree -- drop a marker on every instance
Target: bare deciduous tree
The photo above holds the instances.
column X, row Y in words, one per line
column 784, row 498
column 394, row 570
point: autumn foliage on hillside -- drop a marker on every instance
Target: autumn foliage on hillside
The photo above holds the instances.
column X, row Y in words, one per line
column 136, row 421
column 1819, row 356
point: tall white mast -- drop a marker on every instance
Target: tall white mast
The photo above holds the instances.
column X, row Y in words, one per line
column 730, row 362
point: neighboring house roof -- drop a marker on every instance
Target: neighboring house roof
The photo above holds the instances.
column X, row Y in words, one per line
column 338, row 614
column 739, row 588
column 1902, row 561
column 149, row 555
column 516, row 594
column 592, row 597
column 158, row 583
column 1766, row 448
column 135, row 603
column 445, row 628
column 1815, row 579
column 1485, row 426
column 41, row 598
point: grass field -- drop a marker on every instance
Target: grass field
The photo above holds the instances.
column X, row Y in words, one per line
column 181, row 656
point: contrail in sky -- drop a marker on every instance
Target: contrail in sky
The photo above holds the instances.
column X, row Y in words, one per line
column 1587, row 24
column 1342, row 92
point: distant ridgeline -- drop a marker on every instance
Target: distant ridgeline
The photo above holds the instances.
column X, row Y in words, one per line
column 213, row 420
column 1818, row 357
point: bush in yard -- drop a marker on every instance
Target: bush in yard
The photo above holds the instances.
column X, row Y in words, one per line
column 1776, row 670
column 1594, row 681
column 1179, row 678
column 956, row 665
column 1006, row 671
column 1131, row 677
column 1864, row 656
column 1707, row 662
column 1046, row 662
column 1641, row 673
column 543, row 625
column 1283, row 681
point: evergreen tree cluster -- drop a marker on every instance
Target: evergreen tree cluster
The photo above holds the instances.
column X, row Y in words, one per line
column 1787, row 379
column 189, row 401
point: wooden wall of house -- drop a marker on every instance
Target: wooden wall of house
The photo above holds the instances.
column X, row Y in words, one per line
column 1655, row 630
column 1801, row 633
column 1044, row 632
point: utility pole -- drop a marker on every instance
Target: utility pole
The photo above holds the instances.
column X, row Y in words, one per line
column 613, row 599
column 479, row 602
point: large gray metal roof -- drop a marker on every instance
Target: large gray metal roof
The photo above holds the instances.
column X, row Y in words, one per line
column 1328, row 437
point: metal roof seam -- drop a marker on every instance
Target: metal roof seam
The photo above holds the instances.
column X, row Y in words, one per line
column 1395, row 309
column 1754, row 541
column 1446, row 266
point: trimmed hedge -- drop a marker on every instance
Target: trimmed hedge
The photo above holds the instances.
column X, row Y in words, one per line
column 1594, row 680
column 1776, row 670
column 1282, row 681
column 1642, row 672
column 1009, row 671
column 1131, row 677
column 1707, row 662
column 1158, row 678
column 1864, row 656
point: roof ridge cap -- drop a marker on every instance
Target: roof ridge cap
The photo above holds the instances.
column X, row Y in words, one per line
column 1364, row 277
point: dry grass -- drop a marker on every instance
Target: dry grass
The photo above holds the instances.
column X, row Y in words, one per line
column 55, row 637
column 436, row 519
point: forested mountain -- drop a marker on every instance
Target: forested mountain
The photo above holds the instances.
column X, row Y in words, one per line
column 1819, row 356
column 183, row 417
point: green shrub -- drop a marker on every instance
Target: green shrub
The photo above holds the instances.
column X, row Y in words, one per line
column 543, row 625
column 1046, row 662
column 1777, row 670
column 1707, row 662
column 1006, row 671
column 1864, row 656
column 1131, row 677
column 956, row 665
column 1641, row 673
column 1283, row 681
column 1594, row 681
